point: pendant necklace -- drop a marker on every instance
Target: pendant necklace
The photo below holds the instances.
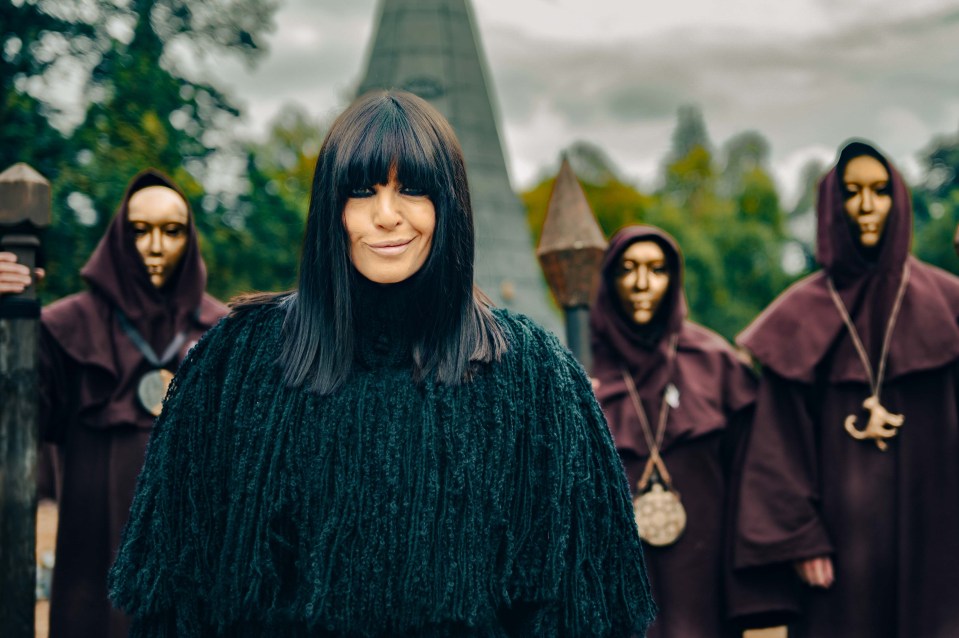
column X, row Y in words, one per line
column 657, row 509
column 882, row 424
column 153, row 385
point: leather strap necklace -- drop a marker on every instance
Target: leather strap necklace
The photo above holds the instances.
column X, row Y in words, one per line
column 153, row 385
column 659, row 513
column 882, row 424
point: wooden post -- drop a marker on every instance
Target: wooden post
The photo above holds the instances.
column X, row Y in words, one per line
column 24, row 209
column 571, row 251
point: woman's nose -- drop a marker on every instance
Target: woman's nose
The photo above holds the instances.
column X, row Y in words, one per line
column 385, row 213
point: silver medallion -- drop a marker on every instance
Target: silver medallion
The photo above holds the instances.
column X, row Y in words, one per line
column 152, row 390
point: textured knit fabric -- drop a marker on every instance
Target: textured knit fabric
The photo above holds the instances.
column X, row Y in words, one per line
column 496, row 507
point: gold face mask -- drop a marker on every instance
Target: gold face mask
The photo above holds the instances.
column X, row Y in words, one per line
column 159, row 218
column 868, row 196
column 642, row 280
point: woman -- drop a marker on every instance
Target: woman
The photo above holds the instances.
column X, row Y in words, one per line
column 105, row 357
column 676, row 398
column 380, row 453
column 851, row 472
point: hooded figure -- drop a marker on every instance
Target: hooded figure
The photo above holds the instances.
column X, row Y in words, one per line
column 707, row 392
column 850, row 475
column 99, row 394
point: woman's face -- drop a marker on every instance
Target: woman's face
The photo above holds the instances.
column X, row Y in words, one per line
column 868, row 197
column 642, row 280
column 159, row 218
column 390, row 227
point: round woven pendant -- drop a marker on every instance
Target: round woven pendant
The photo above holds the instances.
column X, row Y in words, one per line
column 659, row 515
column 152, row 390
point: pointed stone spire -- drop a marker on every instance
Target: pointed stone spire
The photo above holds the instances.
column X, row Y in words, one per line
column 431, row 48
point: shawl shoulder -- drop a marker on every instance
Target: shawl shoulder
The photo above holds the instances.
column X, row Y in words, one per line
column 697, row 337
column 926, row 335
column 785, row 321
column 528, row 339
column 944, row 283
column 729, row 367
column 61, row 318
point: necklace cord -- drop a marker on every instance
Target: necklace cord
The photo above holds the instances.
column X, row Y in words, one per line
column 875, row 381
column 652, row 442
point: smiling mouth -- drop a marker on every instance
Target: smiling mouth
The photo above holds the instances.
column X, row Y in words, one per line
column 390, row 248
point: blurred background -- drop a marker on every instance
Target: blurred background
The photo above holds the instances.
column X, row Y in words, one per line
column 711, row 119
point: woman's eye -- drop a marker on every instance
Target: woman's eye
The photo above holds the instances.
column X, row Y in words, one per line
column 139, row 231
column 659, row 270
column 174, row 231
column 412, row 191
column 883, row 189
column 359, row 193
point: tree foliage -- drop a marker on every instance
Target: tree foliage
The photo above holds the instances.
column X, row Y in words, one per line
column 145, row 103
column 936, row 201
column 726, row 217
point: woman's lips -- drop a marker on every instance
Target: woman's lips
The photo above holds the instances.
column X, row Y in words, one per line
column 390, row 248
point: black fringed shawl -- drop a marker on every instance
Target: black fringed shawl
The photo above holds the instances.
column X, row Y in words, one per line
column 494, row 508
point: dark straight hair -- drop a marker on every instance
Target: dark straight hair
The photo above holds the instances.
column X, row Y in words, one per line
column 381, row 132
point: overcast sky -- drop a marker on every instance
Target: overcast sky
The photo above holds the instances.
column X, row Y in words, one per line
column 807, row 74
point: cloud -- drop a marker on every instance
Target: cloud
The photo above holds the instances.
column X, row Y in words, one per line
column 806, row 74
column 890, row 80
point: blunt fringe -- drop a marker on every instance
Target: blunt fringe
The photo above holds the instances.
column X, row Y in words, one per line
column 381, row 131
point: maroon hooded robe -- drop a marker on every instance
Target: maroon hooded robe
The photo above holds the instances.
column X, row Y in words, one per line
column 89, row 372
column 716, row 391
column 889, row 520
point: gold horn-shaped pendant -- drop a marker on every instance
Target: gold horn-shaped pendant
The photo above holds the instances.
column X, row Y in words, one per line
column 882, row 424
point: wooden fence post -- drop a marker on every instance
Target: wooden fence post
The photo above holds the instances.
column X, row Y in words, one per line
column 24, row 210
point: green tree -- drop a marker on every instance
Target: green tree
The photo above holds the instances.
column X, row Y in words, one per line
column 146, row 106
column 690, row 132
column 936, row 201
column 260, row 244
column 34, row 37
column 731, row 231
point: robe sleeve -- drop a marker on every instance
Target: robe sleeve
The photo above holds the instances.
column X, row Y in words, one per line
column 778, row 517
column 578, row 564
column 755, row 597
